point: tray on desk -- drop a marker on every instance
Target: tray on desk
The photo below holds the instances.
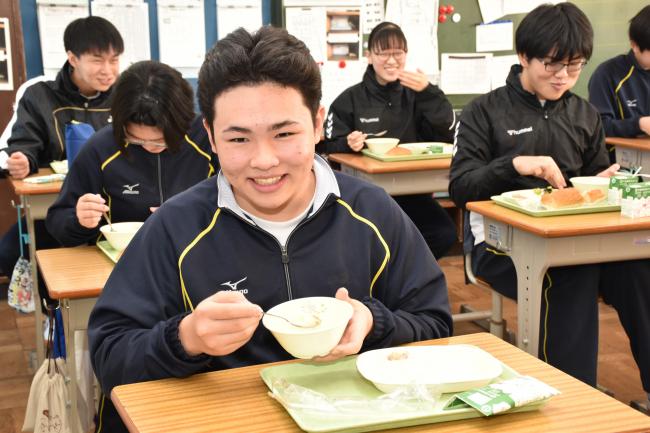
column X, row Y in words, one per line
column 506, row 200
column 391, row 158
column 341, row 379
column 107, row 249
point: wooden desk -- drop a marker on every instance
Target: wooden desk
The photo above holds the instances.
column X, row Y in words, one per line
column 399, row 177
column 535, row 244
column 631, row 152
column 76, row 277
column 236, row 401
column 36, row 199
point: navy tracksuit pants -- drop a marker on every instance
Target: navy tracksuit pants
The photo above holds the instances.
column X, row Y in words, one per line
column 570, row 317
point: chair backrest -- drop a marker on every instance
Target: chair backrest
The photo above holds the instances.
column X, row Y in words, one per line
column 4, row 138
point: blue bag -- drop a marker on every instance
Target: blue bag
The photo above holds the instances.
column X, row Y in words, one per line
column 76, row 135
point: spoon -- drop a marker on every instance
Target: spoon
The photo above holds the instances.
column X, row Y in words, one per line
column 109, row 222
column 304, row 321
column 377, row 134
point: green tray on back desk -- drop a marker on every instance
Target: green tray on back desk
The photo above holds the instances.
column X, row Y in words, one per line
column 391, row 158
column 595, row 208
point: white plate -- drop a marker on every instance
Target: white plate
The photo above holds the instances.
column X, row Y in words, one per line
column 451, row 368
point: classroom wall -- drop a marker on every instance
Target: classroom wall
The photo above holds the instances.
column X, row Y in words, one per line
column 33, row 58
column 610, row 19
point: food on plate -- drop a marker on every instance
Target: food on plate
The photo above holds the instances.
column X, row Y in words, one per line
column 399, row 151
column 594, row 196
column 397, row 355
column 559, row 198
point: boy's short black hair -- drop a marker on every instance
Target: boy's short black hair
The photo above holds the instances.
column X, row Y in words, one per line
column 92, row 35
column 560, row 31
column 385, row 36
column 269, row 55
column 640, row 29
column 153, row 94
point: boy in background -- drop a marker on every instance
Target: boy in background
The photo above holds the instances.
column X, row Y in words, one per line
column 620, row 87
column 79, row 94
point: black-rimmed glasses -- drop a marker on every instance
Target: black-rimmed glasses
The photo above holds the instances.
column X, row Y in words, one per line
column 571, row 67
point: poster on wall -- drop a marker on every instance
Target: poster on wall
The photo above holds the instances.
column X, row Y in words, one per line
column 132, row 21
column 53, row 17
column 6, row 70
column 184, row 53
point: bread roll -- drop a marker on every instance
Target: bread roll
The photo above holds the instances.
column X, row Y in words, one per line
column 398, row 151
column 594, row 196
column 559, row 198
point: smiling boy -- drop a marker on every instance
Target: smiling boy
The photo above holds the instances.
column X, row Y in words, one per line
column 531, row 133
column 277, row 221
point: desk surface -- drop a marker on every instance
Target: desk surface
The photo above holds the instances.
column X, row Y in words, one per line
column 236, row 401
column 641, row 143
column 371, row 165
column 70, row 273
column 23, row 188
column 561, row 226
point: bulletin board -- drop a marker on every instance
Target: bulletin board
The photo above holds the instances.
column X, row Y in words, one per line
column 610, row 19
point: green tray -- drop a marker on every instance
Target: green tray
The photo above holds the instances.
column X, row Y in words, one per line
column 341, row 379
column 107, row 249
column 391, row 158
column 594, row 208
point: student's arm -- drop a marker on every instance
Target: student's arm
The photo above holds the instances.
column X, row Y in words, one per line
column 84, row 177
column 133, row 331
column 475, row 174
column 29, row 134
column 339, row 123
column 434, row 115
column 602, row 95
column 409, row 301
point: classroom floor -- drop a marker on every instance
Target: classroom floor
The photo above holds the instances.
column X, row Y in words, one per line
column 617, row 369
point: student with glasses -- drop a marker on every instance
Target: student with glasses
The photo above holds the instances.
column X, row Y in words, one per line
column 531, row 133
column 408, row 107
column 154, row 149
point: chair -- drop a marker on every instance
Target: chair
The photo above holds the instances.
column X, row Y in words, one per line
column 491, row 320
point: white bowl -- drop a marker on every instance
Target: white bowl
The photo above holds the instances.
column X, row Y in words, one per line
column 121, row 234
column 452, row 368
column 587, row 183
column 306, row 343
column 381, row 145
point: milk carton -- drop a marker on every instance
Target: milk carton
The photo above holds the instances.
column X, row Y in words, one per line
column 617, row 185
column 635, row 201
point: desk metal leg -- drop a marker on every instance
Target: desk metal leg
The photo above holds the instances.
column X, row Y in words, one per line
column 38, row 315
column 531, row 266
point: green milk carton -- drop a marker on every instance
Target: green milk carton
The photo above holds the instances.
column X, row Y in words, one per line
column 635, row 201
column 617, row 184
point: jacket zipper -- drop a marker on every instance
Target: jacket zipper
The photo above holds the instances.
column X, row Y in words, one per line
column 285, row 253
column 160, row 191
column 285, row 263
column 283, row 248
